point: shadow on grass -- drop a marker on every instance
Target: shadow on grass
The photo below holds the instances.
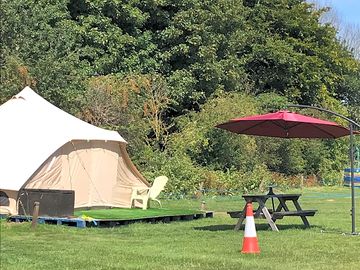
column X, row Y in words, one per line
column 259, row 227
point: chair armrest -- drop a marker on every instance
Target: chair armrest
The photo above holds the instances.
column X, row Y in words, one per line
column 140, row 190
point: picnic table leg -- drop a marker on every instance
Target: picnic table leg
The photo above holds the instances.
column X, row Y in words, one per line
column 241, row 219
column 269, row 219
column 304, row 219
column 282, row 205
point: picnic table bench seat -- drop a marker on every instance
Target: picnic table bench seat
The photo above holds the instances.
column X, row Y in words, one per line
column 301, row 213
column 277, row 215
column 238, row 214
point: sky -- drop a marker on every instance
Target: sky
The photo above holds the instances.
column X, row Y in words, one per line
column 348, row 11
column 345, row 17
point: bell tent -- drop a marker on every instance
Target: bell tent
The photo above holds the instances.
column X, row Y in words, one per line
column 43, row 147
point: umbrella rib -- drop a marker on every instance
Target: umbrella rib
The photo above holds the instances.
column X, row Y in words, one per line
column 332, row 136
column 297, row 124
column 253, row 126
column 282, row 126
column 286, row 127
column 274, row 122
column 289, row 128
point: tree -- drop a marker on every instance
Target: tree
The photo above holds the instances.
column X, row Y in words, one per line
column 134, row 105
column 156, row 71
column 349, row 36
column 347, row 33
column 41, row 36
column 14, row 77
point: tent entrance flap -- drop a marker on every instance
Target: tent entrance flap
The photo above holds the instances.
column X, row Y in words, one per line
column 53, row 203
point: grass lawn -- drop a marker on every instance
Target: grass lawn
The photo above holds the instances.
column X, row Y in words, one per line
column 209, row 243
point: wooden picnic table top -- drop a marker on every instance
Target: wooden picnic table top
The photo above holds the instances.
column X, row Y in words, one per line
column 267, row 196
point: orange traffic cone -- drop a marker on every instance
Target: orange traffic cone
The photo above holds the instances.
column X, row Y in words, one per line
column 250, row 242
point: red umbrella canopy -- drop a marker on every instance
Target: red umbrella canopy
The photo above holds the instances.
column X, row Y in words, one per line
column 285, row 124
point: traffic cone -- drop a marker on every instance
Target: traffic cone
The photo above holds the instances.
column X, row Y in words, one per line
column 250, row 242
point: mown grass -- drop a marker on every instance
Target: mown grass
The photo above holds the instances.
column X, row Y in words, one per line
column 199, row 244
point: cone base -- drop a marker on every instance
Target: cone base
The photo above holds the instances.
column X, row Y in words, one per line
column 250, row 252
column 250, row 245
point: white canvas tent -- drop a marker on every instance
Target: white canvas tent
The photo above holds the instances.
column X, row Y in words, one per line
column 43, row 147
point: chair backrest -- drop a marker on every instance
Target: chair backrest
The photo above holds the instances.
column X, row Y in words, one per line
column 157, row 186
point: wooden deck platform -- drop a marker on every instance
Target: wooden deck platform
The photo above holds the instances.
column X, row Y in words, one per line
column 105, row 223
column 73, row 222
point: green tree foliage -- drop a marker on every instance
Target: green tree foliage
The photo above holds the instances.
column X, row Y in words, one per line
column 199, row 47
column 40, row 34
column 212, row 147
column 14, row 77
column 134, row 105
column 112, row 36
column 295, row 58
column 350, row 93
column 163, row 73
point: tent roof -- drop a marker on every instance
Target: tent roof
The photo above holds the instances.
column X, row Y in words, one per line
column 31, row 130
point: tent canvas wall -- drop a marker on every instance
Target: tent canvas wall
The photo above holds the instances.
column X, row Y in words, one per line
column 43, row 147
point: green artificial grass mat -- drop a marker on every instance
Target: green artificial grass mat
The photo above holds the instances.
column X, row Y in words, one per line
column 134, row 213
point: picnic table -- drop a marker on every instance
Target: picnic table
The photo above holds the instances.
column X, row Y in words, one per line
column 273, row 214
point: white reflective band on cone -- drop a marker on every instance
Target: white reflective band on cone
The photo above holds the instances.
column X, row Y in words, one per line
column 250, row 230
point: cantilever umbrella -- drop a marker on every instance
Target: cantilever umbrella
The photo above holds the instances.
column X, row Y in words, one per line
column 285, row 124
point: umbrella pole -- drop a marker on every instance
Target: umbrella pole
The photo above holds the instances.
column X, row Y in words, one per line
column 352, row 179
column 351, row 125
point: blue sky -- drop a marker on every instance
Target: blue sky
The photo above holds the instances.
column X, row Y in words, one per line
column 348, row 11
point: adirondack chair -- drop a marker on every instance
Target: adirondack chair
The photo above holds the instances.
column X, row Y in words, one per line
column 147, row 194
